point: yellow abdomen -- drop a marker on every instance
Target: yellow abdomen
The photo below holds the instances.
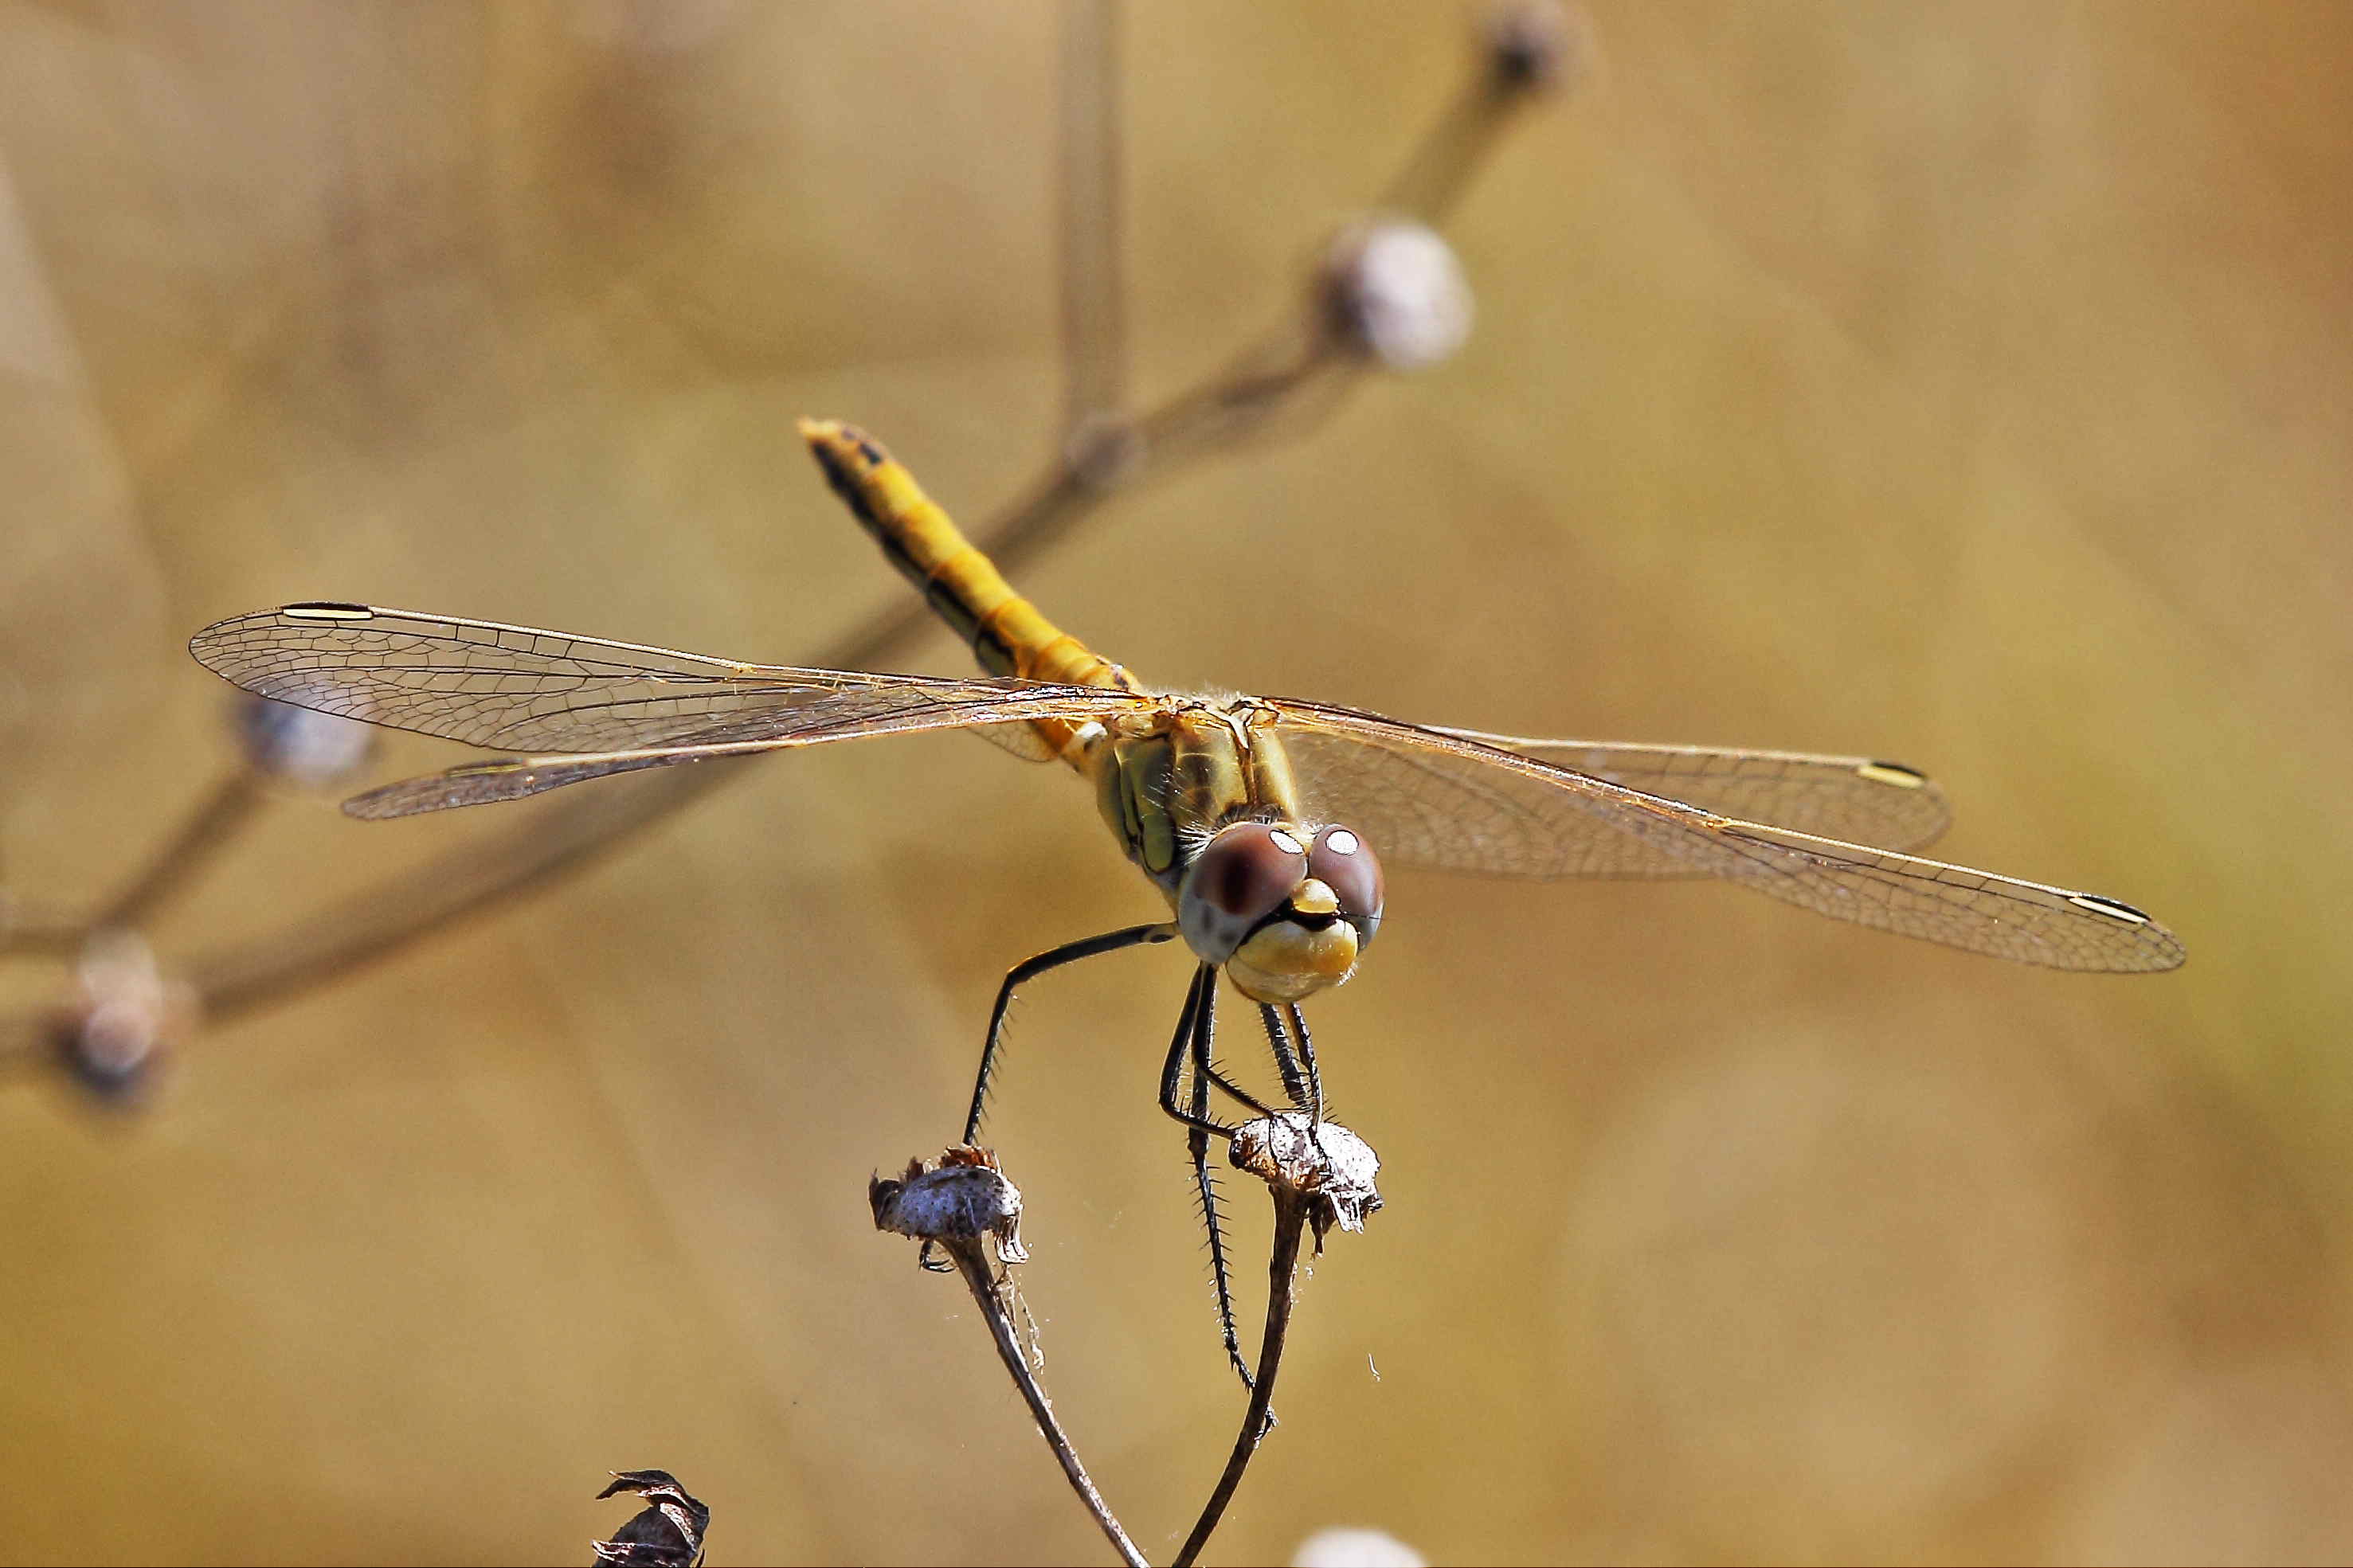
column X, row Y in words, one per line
column 1004, row 630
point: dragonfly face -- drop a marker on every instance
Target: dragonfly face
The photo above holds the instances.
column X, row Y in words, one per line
column 1284, row 911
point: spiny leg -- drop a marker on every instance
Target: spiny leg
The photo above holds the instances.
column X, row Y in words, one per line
column 1302, row 1082
column 1029, row 969
column 1020, row 974
column 1196, row 1143
column 1286, row 1060
column 1242, row 1096
column 1315, row 1079
column 1198, row 997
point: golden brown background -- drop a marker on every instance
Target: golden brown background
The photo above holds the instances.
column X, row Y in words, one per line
column 1966, row 385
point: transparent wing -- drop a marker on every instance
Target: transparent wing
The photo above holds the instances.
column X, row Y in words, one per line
column 1859, row 799
column 616, row 706
column 1433, row 798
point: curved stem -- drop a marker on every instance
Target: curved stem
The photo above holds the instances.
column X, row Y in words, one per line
column 972, row 1261
column 1283, row 1275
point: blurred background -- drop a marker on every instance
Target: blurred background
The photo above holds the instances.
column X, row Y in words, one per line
column 1966, row 387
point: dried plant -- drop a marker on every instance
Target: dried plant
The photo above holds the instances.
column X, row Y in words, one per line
column 1320, row 1175
column 964, row 1205
column 666, row 1533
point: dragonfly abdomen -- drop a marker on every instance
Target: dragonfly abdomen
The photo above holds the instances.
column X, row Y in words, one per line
column 1004, row 631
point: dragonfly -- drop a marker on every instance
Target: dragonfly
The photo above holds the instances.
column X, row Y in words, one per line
column 1264, row 822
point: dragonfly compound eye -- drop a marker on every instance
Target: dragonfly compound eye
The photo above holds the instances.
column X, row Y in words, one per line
column 1345, row 863
column 1246, row 873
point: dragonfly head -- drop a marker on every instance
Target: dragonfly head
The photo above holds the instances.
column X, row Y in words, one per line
column 1284, row 911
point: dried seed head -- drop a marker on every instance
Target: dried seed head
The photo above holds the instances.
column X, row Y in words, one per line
column 1393, row 290
column 123, row 1018
column 963, row 1197
column 1322, row 1163
column 1538, row 46
column 666, row 1533
column 313, row 750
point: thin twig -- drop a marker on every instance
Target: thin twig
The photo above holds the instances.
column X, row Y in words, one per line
column 980, row 1277
column 1320, row 1175
column 210, row 830
column 964, row 1205
column 1094, row 333
column 23, row 930
column 1532, row 47
column 1282, row 1291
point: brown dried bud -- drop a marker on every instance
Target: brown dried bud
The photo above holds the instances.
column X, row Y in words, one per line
column 1538, row 45
column 1322, row 1164
column 666, row 1533
column 963, row 1197
column 1394, row 293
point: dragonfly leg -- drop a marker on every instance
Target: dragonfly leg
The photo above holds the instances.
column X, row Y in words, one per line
column 1286, row 1060
column 1299, row 1072
column 1180, row 1049
column 1029, row 969
column 1240, row 1095
column 993, row 1047
column 1206, row 1067
column 1315, row 1106
column 1196, row 1143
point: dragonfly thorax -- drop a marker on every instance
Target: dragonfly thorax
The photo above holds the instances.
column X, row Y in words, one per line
column 1283, row 910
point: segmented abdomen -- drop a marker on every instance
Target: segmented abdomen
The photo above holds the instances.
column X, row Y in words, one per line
column 1003, row 629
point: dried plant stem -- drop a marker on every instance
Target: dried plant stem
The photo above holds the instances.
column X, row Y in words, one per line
column 972, row 1260
column 45, row 932
column 1282, row 1292
column 1094, row 335
column 1439, row 167
column 211, row 828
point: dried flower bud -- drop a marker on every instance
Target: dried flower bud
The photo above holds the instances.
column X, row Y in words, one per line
column 1538, row 45
column 299, row 745
column 963, row 1197
column 1323, row 1163
column 122, row 1020
column 666, row 1533
column 1393, row 290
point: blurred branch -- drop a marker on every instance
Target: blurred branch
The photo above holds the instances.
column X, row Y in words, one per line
column 1094, row 324
column 25, row 928
column 211, row 828
column 1531, row 48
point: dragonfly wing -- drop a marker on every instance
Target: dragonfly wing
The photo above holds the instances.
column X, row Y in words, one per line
column 1858, row 799
column 1432, row 799
column 612, row 707
column 895, row 709
column 480, row 783
column 515, row 687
